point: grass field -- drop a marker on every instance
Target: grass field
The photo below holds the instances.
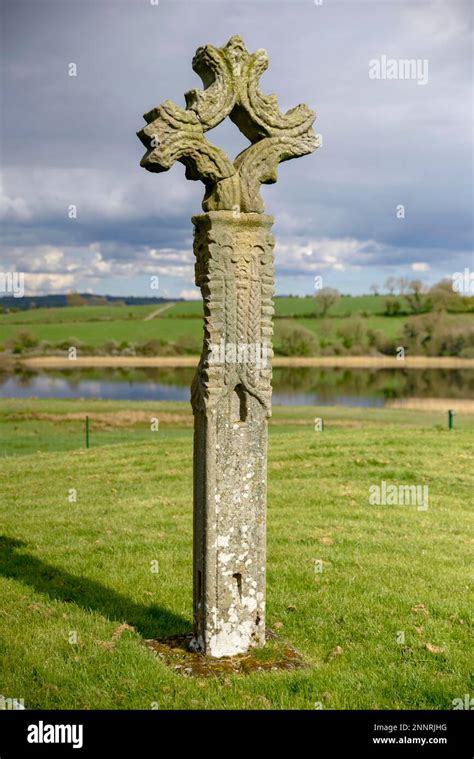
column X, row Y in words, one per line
column 72, row 314
column 95, row 326
column 384, row 625
column 391, row 326
column 294, row 306
column 97, row 333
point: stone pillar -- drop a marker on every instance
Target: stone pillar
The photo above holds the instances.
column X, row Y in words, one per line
column 231, row 392
column 231, row 398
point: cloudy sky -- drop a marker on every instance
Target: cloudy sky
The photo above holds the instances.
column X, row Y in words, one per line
column 386, row 142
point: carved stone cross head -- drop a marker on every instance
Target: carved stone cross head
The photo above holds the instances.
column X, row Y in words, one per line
column 230, row 75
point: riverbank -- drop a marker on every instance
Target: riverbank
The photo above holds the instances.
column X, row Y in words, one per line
column 158, row 362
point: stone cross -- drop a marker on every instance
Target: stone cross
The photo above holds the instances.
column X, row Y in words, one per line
column 231, row 391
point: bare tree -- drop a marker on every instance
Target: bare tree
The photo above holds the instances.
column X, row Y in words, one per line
column 375, row 288
column 403, row 284
column 390, row 284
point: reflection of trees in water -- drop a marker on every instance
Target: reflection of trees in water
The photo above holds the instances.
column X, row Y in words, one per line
column 74, row 376
column 327, row 383
column 23, row 376
column 439, row 383
column 387, row 383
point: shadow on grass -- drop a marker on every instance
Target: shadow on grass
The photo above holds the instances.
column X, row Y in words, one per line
column 149, row 621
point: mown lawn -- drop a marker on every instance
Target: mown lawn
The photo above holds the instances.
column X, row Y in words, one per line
column 384, row 625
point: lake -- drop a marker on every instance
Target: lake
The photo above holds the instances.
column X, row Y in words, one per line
column 292, row 386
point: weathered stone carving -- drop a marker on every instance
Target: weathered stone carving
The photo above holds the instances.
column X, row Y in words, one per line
column 230, row 76
column 231, row 392
column 234, row 269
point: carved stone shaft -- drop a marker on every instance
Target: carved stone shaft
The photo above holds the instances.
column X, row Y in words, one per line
column 231, row 400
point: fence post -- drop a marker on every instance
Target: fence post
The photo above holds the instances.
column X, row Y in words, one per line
column 451, row 414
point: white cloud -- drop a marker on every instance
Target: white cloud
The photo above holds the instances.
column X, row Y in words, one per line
column 325, row 253
column 53, row 256
column 84, row 267
column 38, row 284
column 420, row 266
column 190, row 294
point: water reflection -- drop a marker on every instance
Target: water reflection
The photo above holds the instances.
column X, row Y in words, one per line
column 292, row 386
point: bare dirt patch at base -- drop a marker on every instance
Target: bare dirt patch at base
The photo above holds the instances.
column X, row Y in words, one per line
column 276, row 655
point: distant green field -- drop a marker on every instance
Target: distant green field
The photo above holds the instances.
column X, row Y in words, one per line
column 294, row 306
column 346, row 305
column 391, row 326
column 191, row 308
column 97, row 325
column 97, row 333
column 76, row 314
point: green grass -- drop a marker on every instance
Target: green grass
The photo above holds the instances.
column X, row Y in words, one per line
column 71, row 314
column 391, row 326
column 189, row 308
column 96, row 325
column 294, row 306
column 84, row 567
column 100, row 332
column 346, row 305
column 96, row 333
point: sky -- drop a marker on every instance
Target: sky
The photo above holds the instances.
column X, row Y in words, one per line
column 387, row 143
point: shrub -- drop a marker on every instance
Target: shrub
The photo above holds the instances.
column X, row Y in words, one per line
column 442, row 297
column 433, row 335
column 151, row 348
column 21, row 341
column 111, row 348
column 73, row 342
column 378, row 340
column 296, row 341
column 189, row 344
column 392, row 306
column 353, row 334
